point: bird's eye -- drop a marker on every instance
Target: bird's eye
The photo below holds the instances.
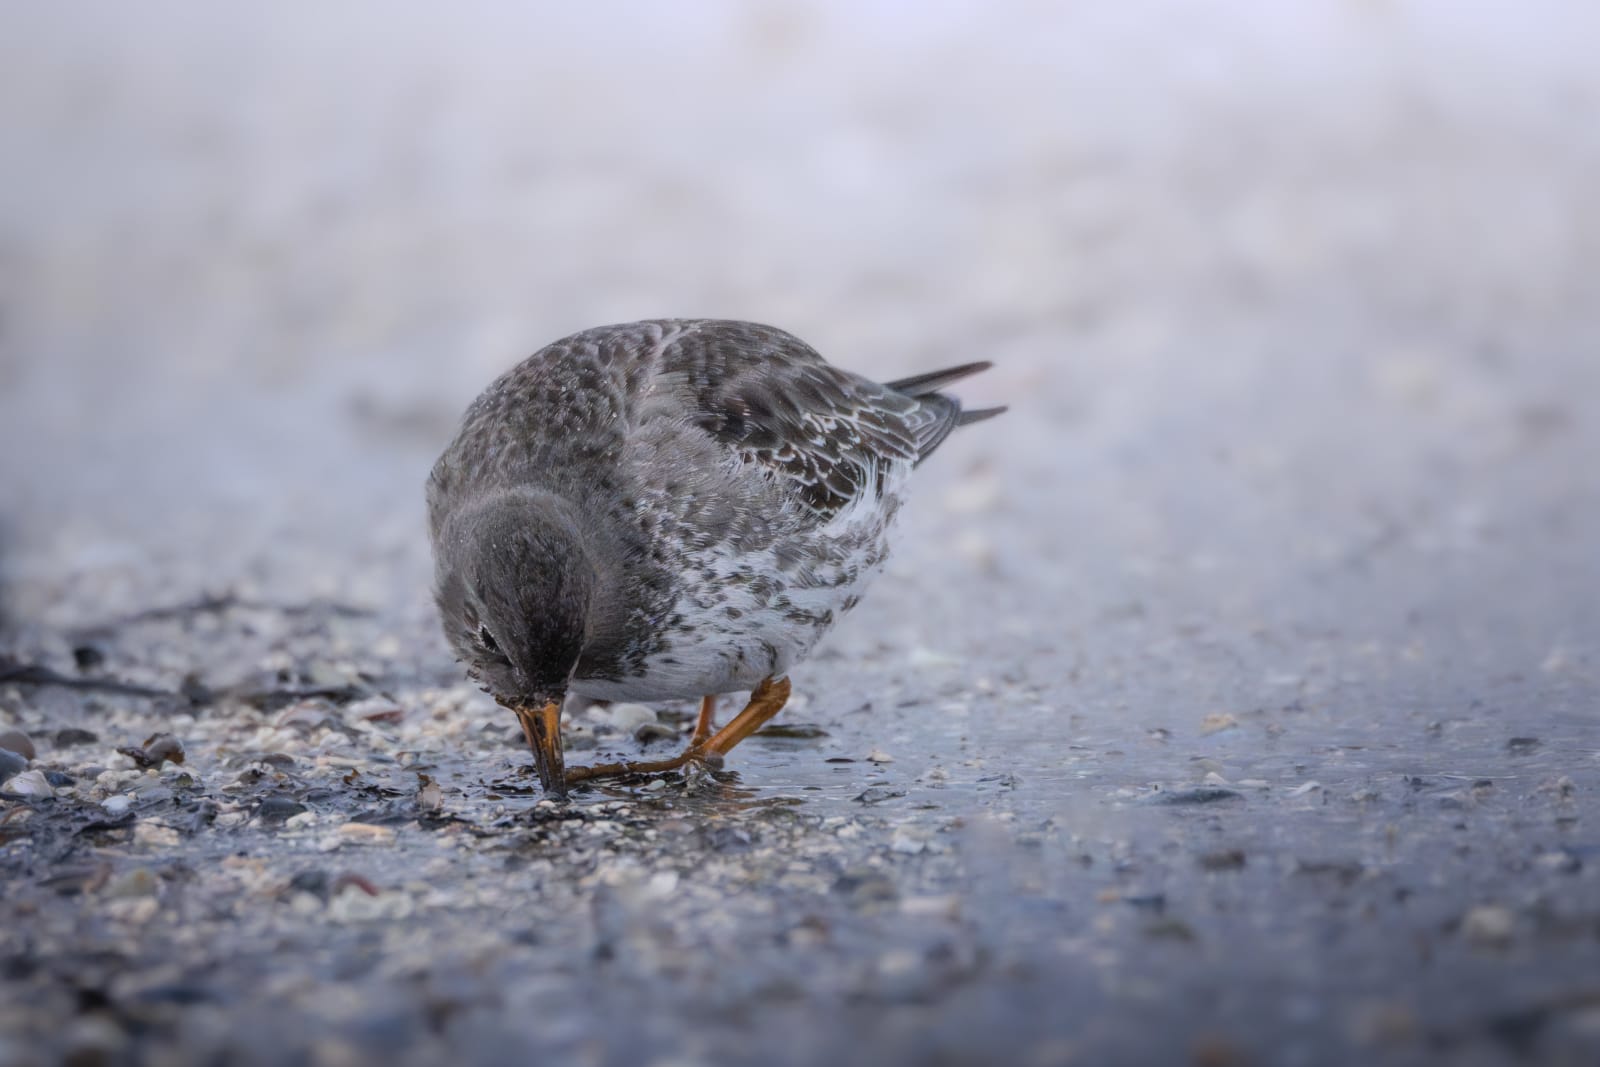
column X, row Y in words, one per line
column 488, row 639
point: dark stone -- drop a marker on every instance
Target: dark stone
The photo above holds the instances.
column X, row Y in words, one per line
column 278, row 808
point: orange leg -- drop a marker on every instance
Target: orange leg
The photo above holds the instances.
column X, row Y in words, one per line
column 706, row 723
column 767, row 700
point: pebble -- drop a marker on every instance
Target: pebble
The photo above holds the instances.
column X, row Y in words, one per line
column 367, row 833
column 94, row 1038
column 111, row 781
column 879, row 756
column 907, row 844
column 646, row 732
column 355, row 905
column 278, row 807
column 155, row 834
column 117, row 805
column 793, row 731
column 31, row 784
column 932, row 907
column 1489, row 925
column 11, row 764
column 139, row 882
column 156, row 750
column 73, row 735
column 137, row 910
column 1229, row 859
column 17, row 741
column 1561, row 861
column 1201, row 794
column 899, row 961
column 626, row 718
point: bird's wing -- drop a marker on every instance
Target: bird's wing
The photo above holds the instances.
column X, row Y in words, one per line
column 828, row 435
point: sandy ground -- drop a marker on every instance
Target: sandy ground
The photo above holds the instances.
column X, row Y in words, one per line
column 1233, row 700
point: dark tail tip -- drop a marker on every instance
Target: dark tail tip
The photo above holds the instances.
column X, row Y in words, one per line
column 933, row 381
column 966, row 418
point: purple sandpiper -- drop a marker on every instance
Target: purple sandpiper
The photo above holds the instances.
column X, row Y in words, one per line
column 669, row 509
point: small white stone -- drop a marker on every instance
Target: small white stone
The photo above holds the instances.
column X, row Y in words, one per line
column 118, row 804
column 905, row 844
column 366, row 833
column 662, row 883
column 899, row 961
column 31, row 784
column 305, row 903
column 627, row 718
column 353, row 905
column 1563, row 862
column 1489, row 925
column 939, row 907
column 879, row 756
column 155, row 834
column 138, row 911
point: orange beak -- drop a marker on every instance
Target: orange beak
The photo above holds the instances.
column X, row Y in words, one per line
column 542, row 726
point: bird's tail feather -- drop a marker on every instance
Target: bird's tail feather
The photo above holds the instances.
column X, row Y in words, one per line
column 967, row 418
column 933, row 381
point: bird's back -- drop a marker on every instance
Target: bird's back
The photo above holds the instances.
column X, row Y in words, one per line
column 743, row 485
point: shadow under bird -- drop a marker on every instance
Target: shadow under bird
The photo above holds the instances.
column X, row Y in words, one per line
column 670, row 509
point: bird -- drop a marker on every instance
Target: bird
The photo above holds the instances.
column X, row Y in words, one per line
column 671, row 509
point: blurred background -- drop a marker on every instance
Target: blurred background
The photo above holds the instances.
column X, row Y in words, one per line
column 1251, row 273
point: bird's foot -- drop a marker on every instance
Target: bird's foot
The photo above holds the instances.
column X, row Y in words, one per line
column 765, row 702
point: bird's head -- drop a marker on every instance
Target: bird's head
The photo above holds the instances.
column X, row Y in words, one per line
column 513, row 583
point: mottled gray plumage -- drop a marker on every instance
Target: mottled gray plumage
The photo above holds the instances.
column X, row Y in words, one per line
column 669, row 509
